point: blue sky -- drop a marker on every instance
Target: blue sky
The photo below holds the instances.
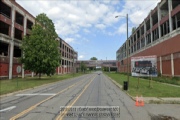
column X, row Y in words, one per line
column 90, row 26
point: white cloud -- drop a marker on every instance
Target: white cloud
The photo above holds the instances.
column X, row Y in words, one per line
column 138, row 10
column 86, row 31
column 70, row 16
column 80, row 56
column 100, row 26
column 69, row 40
column 122, row 29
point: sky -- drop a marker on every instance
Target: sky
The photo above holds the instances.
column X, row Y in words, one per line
column 90, row 26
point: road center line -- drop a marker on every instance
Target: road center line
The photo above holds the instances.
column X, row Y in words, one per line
column 8, row 109
column 34, row 106
column 36, row 94
column 62, row 114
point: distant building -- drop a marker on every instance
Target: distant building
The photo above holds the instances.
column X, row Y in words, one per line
column 158, row 34
column 68, row 58
column 15, row 22
column 97, row 63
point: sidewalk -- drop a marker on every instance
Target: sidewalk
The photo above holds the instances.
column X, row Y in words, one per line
column 169, row 100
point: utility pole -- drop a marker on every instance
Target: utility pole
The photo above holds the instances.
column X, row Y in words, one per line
column 127, row 46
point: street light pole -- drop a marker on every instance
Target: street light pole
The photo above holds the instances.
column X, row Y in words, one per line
column 127, row 47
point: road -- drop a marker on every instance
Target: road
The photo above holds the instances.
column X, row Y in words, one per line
column 81, row 94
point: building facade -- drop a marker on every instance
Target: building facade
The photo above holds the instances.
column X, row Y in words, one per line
column 158, row 34
column 68, row 58
column 97, row 63
column 16, row 22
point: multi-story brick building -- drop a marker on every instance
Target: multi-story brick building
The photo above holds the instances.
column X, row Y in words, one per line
column 158, row 34
column 68, row 58
column 15, row 22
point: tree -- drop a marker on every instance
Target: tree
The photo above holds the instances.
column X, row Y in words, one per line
column 93, row 58
column 40, row 50
column 133, row 29
column 83, row 67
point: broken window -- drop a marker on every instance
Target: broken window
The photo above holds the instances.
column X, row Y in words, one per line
column 5, row 10
column 17, row 51
column 19, row 18
column 138, row 45
column 155, row 34
column 142, row 30
column 142, row 42
column 178, row 20
column 131, row 49
column 134, row 47
column 29, row 24
column 138, row 34
column 148, row 38
column 148, row 25
column 4, row 28
column 3, row 49
column 18, row 34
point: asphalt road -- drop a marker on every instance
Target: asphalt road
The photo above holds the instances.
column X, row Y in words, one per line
column 88, row 97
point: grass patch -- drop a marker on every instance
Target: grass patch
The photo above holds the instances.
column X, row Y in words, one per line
column 174, row 80
column 8, row 86
column 156, row 90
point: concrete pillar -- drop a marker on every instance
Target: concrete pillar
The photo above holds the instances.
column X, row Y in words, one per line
column 68, row 66
column 151, row 25
column 170, row 18
column 65, row 66
column 160, row 59
column 159, row 19
column 11, row 44
column 61, row 67
column 136, row 41
column 144, row 33
column 32, row 74
column 140, row 37
column 11, row 59
column 172, row 65
column 25, row 24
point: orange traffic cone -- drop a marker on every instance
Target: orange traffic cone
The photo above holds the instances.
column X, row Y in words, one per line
column 141, row 101
column 137, row 101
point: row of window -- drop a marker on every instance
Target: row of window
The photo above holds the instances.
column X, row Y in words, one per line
column 6, row 11
column 137, row 45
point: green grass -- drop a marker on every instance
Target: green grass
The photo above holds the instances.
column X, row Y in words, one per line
column 8, row 86
column 157, row 89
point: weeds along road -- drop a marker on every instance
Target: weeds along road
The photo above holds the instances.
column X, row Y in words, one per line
column 88, row 97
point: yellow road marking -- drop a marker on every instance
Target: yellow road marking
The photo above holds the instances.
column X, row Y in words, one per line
column 60, row 117
column 34, row 106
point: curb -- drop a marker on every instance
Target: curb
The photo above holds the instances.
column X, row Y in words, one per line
column 149, row 100
column 121, row 87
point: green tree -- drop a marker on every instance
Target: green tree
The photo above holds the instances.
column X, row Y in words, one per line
column 83, row 67
column 40, row 49
column 133, row 29
column 93, row 58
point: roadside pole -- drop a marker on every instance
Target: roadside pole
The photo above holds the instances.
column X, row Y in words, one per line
column 18, row 70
